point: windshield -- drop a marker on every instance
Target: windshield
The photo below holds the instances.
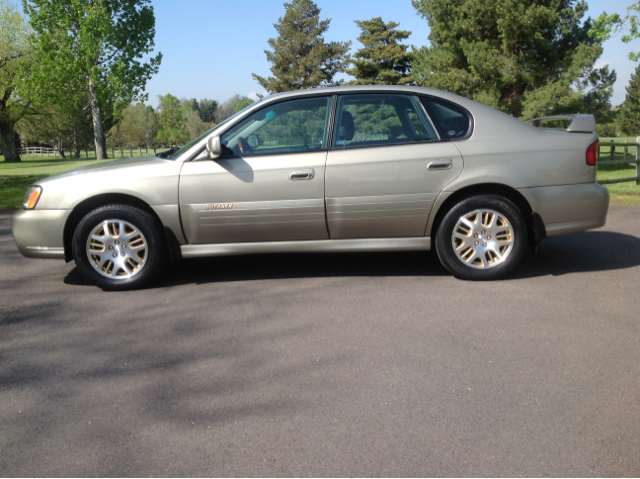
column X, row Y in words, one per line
column 186, row 147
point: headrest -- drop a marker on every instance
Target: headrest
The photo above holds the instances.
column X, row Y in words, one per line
column 347, row 127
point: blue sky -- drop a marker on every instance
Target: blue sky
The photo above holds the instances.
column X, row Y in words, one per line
column 211, row 47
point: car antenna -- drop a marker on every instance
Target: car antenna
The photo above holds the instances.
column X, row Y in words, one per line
column 422, row 81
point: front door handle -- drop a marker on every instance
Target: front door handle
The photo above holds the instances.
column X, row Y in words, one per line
column 443, row 164
column 302, row 174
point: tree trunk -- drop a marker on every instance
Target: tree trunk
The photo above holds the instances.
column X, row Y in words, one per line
column 60, row 146
column 99, row 137
column 76, row 145
column 8, row 142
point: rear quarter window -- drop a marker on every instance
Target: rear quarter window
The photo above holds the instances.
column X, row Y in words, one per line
column 451, row 120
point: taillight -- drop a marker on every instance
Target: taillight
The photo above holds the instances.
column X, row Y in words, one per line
column 592, row 153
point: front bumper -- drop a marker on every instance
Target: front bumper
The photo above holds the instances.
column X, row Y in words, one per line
column 570, row 208
column 39, row 233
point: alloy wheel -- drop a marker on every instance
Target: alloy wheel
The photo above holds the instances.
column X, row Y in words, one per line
column 483, row 239
column 117, row 249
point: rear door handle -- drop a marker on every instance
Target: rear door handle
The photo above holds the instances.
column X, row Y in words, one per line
column 443, row 164
column 302, row 174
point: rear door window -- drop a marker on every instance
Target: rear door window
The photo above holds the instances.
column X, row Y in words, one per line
column 451, row 120
column 381, row 119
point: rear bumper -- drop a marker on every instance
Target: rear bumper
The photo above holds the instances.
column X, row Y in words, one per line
column 570, row 208
column 39, row 233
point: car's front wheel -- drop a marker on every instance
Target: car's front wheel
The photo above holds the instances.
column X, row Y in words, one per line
column 482, row 238
column 118, row 247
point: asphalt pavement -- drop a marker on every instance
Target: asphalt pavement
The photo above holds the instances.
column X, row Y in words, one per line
column 327, row 365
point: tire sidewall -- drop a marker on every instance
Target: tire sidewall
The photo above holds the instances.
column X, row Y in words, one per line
column 145, row 223
column 449, row 258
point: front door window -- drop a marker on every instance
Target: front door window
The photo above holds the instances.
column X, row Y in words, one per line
column 296, row 126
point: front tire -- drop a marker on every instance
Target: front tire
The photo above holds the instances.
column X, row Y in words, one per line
column 482, row 238
column 119, row 247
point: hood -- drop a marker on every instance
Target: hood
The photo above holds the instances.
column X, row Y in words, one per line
column 108, row 165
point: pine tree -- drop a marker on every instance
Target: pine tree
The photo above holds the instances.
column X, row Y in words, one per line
column 382, row 61
column 300, row 56
column 525, row 57
column 630, row 115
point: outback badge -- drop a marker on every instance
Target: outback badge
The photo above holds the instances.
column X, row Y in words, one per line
column 219, row 206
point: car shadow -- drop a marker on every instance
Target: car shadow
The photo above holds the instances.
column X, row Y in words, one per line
column 590, row 251
column 585, row 252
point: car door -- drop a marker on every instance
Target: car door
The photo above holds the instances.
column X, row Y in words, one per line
column 268, row 185
column 386, row 167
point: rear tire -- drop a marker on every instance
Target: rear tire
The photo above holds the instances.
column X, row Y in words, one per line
column 482, row 238
column 119, row 247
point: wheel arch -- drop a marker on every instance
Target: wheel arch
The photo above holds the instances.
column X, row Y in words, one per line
column 532, row 219
column 90, row 204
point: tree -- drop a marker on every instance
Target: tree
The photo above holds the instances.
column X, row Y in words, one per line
column 230, row 107
column 63, row 130
column 135, row 128
column 193, row 123
column 607, row 26
column 15, row 59
column 191, row 104
column 172, row 128
column 382, row 61
column 300, row 57
column 208, row 110
column 630, row 114
column 97, row 42
column 243, row 102
column 525, row 57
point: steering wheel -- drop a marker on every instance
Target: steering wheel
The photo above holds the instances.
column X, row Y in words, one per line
column 243, row 147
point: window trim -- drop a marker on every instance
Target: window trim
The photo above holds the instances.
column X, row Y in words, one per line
column 332, row 120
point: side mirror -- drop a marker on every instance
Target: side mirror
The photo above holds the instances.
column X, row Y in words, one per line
column 214, row 147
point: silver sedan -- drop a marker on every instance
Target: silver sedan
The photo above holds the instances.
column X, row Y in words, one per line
column 336, row 169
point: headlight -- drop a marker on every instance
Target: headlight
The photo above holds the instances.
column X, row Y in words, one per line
column 32, row 197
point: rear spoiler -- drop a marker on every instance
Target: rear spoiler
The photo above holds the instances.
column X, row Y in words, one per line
column 579, row 123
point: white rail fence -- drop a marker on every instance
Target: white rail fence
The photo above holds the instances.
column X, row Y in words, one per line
column 38, row 150
column 607, row 157
column 116, row 152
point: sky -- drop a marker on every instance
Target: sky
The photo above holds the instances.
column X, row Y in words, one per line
column 210, row 48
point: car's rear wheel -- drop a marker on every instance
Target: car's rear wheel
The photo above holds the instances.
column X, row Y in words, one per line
column 482, row 238
column 118, row 247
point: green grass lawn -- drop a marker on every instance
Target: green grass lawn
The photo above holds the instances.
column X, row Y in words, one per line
column 13, row 189
column 15, row 178
column 627, row 193
column 49, row 165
